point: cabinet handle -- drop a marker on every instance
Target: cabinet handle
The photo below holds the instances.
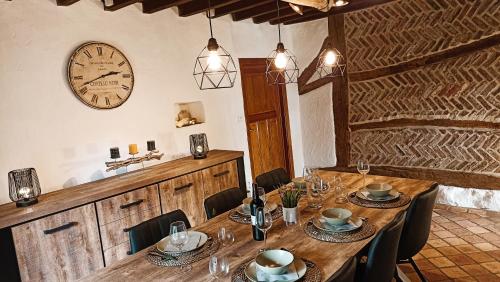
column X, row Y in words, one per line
column 60, row 228
column 221, row 173
column 135, row 203
column 183, row 187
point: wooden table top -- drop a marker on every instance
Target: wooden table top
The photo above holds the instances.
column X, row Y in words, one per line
column 67, row 198
column 328, row 256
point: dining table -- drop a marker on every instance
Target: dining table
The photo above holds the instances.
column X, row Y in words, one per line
column 327, row 256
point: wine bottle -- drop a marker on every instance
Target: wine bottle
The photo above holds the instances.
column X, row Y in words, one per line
column 254, row 205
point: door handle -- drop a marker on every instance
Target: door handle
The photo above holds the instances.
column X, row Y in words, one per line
column 183, row 187
column 221, row 173
column 135, row 203
column 60, row 228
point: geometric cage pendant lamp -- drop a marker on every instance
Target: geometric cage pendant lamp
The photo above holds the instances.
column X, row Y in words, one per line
column 281, row 64
column 330, row 62
column 214, row 67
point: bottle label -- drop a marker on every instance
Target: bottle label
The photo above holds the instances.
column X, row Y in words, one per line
column 254, row 220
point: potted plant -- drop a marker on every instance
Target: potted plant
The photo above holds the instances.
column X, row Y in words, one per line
column 290, row 197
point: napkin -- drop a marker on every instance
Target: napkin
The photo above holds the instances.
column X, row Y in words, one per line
column 291, row 274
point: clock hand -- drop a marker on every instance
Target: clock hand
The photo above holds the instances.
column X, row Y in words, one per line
column 104, row 75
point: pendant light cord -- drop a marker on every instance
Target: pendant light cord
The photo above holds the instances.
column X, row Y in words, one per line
column 210, row 19
column 279, row 20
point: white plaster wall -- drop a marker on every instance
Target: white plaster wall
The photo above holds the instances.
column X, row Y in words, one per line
column 43, row 125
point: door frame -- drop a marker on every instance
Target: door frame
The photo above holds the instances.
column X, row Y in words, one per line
column 244, row 62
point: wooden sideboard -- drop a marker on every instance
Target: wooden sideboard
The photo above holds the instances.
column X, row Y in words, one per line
column 75, row 231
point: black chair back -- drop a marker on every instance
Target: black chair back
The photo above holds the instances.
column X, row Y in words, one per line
column 417, row 224
column 273, row 179
column 150, row 232
column 346, row 273
column 223, row 201
column 383, row 251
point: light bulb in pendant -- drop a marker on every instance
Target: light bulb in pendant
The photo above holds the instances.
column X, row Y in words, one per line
column 330, row 58
column 281, row 60
column 214, row 61
column 340, row 3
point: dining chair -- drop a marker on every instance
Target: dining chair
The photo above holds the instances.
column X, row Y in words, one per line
column 223, row 201
column 382, row 253
column 149, row 232
column 417, row 228
column 273, row 179
column 346, row 273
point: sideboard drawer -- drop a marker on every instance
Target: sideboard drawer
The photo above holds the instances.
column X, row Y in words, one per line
column 61, row 247
column 220, row 177
column 116, row 253
column 124, row 205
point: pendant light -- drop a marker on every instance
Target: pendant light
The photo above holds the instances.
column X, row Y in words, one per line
column 281, row 63
column 339, row 3
column 330, row 62
column 214, row 67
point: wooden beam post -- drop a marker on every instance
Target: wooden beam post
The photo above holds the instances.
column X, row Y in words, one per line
column 340, row 93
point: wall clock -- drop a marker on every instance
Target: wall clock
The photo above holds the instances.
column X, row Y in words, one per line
column 100, row 75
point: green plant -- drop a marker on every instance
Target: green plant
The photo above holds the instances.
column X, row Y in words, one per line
column 290, row 196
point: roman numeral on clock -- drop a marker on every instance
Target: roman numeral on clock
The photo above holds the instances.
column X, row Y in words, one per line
column 80, row 77
column 82, row 65
column 87, row 53
column 121, row 64
column 126, row 75
column 125, row 87
column 83, row 90
column 99, row 51
column 107, row 101
column 94, row 99
column 111, row 56
column 119, row 97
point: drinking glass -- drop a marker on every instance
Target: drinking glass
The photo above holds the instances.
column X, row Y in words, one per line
column 363, row 168
column 226, row 236
column 179, row 237
column 313, row 186
column 218, row 265
column 339, row 188
column 264, row 222
column 262, row 194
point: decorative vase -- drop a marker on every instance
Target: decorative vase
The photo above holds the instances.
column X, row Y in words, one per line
column 291, row 215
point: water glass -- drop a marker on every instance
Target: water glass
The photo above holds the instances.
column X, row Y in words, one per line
column 226, row 236
column 314, row 197
column 264, row 222
column 340, row 191
column 218, row 265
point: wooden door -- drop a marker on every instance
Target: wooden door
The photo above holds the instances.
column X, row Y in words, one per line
column 184, row 193
column 220, row 177
column 266, row 114
column 61, row 247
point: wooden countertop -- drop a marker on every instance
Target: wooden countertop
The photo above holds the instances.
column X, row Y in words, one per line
column 93, row 191
column 328, row 256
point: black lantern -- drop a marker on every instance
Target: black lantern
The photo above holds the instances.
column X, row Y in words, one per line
column 24, row 187
column 199, row 145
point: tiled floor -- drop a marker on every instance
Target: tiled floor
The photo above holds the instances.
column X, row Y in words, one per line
column 464, row 245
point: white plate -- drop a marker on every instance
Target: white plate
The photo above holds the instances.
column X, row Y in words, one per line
column 365, row 195
column 300, row 265
column 352, row 224
column 246, row 212
column 196, row 241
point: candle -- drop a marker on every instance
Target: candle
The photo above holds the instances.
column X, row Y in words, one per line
column 115, row 152
column 25, row 192
column 199, row 149
column 132, row 149
column 151, row 145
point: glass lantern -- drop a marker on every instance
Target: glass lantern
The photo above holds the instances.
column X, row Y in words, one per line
column 24, row 187
column 199, row 145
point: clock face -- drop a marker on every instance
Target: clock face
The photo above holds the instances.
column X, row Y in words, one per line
column 100, row 75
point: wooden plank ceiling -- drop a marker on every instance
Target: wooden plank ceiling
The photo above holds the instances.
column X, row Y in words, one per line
column 260, row 11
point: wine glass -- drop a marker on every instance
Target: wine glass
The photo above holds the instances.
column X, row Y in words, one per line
column 363, row 168
column 225, row 236
column 218, row 265
column 262, row 194
column 179, row 237
column 264, row 222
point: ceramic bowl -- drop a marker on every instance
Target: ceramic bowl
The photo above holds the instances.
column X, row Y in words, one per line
column 274, row 262
column 336, row 216
column 246, row 203
column 379, row 189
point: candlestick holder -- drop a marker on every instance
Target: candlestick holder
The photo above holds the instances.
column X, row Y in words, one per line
column 152, row 155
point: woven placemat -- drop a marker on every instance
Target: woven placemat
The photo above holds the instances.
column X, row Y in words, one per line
column 178, row 259
column 364, row 232
column 313, row 273
column 402, row 200
column 237, row 217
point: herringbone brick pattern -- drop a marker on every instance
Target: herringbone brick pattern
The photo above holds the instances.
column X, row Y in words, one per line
column 468, row 150
column 399, row 31
column 463, row 88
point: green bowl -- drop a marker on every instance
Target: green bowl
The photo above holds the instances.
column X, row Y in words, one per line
column 336, row 216
column 274, row 262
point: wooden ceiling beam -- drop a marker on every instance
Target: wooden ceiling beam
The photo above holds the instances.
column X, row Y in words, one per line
column 118, row 4
column 66, row 2
column 284, row 13
column 240, row 6
column 153, row 6
column 309, row 16
column 199, row 6
column 257, row 11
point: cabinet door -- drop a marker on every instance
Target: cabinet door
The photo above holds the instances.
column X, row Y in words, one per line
column 220, row 177
column 184, row 193
column 61, row 247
